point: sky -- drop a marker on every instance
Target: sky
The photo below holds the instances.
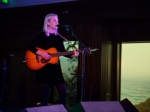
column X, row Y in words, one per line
column 135, row 61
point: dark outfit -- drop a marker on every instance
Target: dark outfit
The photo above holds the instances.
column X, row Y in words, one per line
column 50, row 74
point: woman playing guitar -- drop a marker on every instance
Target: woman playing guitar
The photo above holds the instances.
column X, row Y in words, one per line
column 49, row 73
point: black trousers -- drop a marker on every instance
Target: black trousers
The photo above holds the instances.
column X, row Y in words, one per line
column 61, row 88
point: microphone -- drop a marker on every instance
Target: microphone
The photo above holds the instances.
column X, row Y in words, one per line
column 65, row 26
column 61, row 25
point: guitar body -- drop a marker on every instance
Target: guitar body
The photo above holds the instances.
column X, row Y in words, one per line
column 36, row 62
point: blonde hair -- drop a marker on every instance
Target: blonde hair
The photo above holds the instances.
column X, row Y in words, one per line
column 47, row 18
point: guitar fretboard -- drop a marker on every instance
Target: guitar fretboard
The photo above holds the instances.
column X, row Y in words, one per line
column 62, row 53
column 68, row 53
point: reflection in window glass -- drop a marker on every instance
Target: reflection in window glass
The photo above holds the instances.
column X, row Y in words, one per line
column 70, row 69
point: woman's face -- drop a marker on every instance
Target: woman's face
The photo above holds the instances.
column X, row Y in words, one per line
column 53, row 22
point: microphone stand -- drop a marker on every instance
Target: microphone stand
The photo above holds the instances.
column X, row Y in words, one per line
column 83, row 77
column 84, row 48
column 3, row 81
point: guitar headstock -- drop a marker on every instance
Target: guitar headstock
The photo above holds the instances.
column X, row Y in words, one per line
column 92, row 50
column 89, row 50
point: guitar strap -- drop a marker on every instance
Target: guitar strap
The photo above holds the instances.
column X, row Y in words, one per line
column 63, row 37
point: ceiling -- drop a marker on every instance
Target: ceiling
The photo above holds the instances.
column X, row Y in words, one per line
column 22, row 3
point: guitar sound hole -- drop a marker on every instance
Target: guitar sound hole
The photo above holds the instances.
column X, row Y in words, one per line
column 44, row 61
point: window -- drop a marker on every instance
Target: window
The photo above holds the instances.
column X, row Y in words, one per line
column 135, row 72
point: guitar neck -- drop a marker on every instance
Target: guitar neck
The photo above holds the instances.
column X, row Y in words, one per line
column 69, row 53
column 62, row 53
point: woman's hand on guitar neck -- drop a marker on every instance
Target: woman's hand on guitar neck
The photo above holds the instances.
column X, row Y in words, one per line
column 76, row 53
column 45, row 55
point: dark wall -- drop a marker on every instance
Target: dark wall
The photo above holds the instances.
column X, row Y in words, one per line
column 101, row 25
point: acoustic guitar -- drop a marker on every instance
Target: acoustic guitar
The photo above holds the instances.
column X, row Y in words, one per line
column 36, row 62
